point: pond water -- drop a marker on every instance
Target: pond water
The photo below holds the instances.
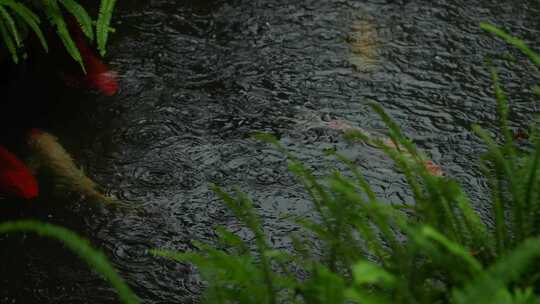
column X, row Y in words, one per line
column 198, row 77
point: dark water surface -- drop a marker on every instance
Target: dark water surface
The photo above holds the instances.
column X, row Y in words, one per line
column 198, row 77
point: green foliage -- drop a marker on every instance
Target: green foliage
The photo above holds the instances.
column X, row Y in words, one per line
column 438, row 251
column 94, row 258
column 16, row 18
column 102, row 26
column 520, row 44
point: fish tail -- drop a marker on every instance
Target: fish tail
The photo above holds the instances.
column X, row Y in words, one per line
column 95, row 196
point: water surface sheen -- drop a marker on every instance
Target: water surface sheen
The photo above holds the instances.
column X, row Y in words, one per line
column 198, row 77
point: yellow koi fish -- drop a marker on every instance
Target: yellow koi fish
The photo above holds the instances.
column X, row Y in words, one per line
column 364, row 44
column 49, row 157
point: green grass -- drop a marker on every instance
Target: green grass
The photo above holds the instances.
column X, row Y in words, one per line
column 439, row 250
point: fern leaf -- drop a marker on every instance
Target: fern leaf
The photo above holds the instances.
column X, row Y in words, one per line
column 102, row 27
column 94, row 258
column 31, row 19
column 55, row 16
column 485, row 288
column 8, row 40
column 452, row 248
column 520, row 44
column 83, row 19
column 8, row 20
column 503, row 168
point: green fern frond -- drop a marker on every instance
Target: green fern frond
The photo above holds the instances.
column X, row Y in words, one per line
column 520, row 44
column 83, row 19
column 486, row 287
column 8, row 40
column 102, row 27
column 8, row 20
column 52, row 10
column 94, row 258
column 17, row 13
column 451, row 248
column 31, row 19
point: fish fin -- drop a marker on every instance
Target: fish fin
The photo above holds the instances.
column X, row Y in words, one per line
column 112, row 202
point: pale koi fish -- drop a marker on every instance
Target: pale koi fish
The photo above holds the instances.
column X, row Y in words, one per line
column 363, row 41
column 308, row 119
column 50, row 157
column 343, row 126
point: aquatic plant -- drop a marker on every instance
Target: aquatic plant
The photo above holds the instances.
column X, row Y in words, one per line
column 81, row 247
column 18, row 17
column 359, row 249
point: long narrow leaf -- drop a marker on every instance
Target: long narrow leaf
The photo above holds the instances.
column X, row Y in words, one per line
column 395, row 132
column 81, row 16
column 530, row 188
column 487, row 287
column 503, row 110
column 79, row 246
column 503, row 167
column 8, row 40
column 102, row 27
column 56, row 18
column 362, row 182
column 31, row 19
column 475, row 226
column 453, row 248
column 8, row 20
column 520, row 44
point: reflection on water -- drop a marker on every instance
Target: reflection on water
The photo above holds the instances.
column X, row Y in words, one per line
column 198, row 77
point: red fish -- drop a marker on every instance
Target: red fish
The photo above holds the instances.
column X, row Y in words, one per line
column 16, row 179
column 98, row 75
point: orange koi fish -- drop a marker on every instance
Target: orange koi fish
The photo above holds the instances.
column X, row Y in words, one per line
column 16, row 180
column 98, row 75
column 340, row 125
